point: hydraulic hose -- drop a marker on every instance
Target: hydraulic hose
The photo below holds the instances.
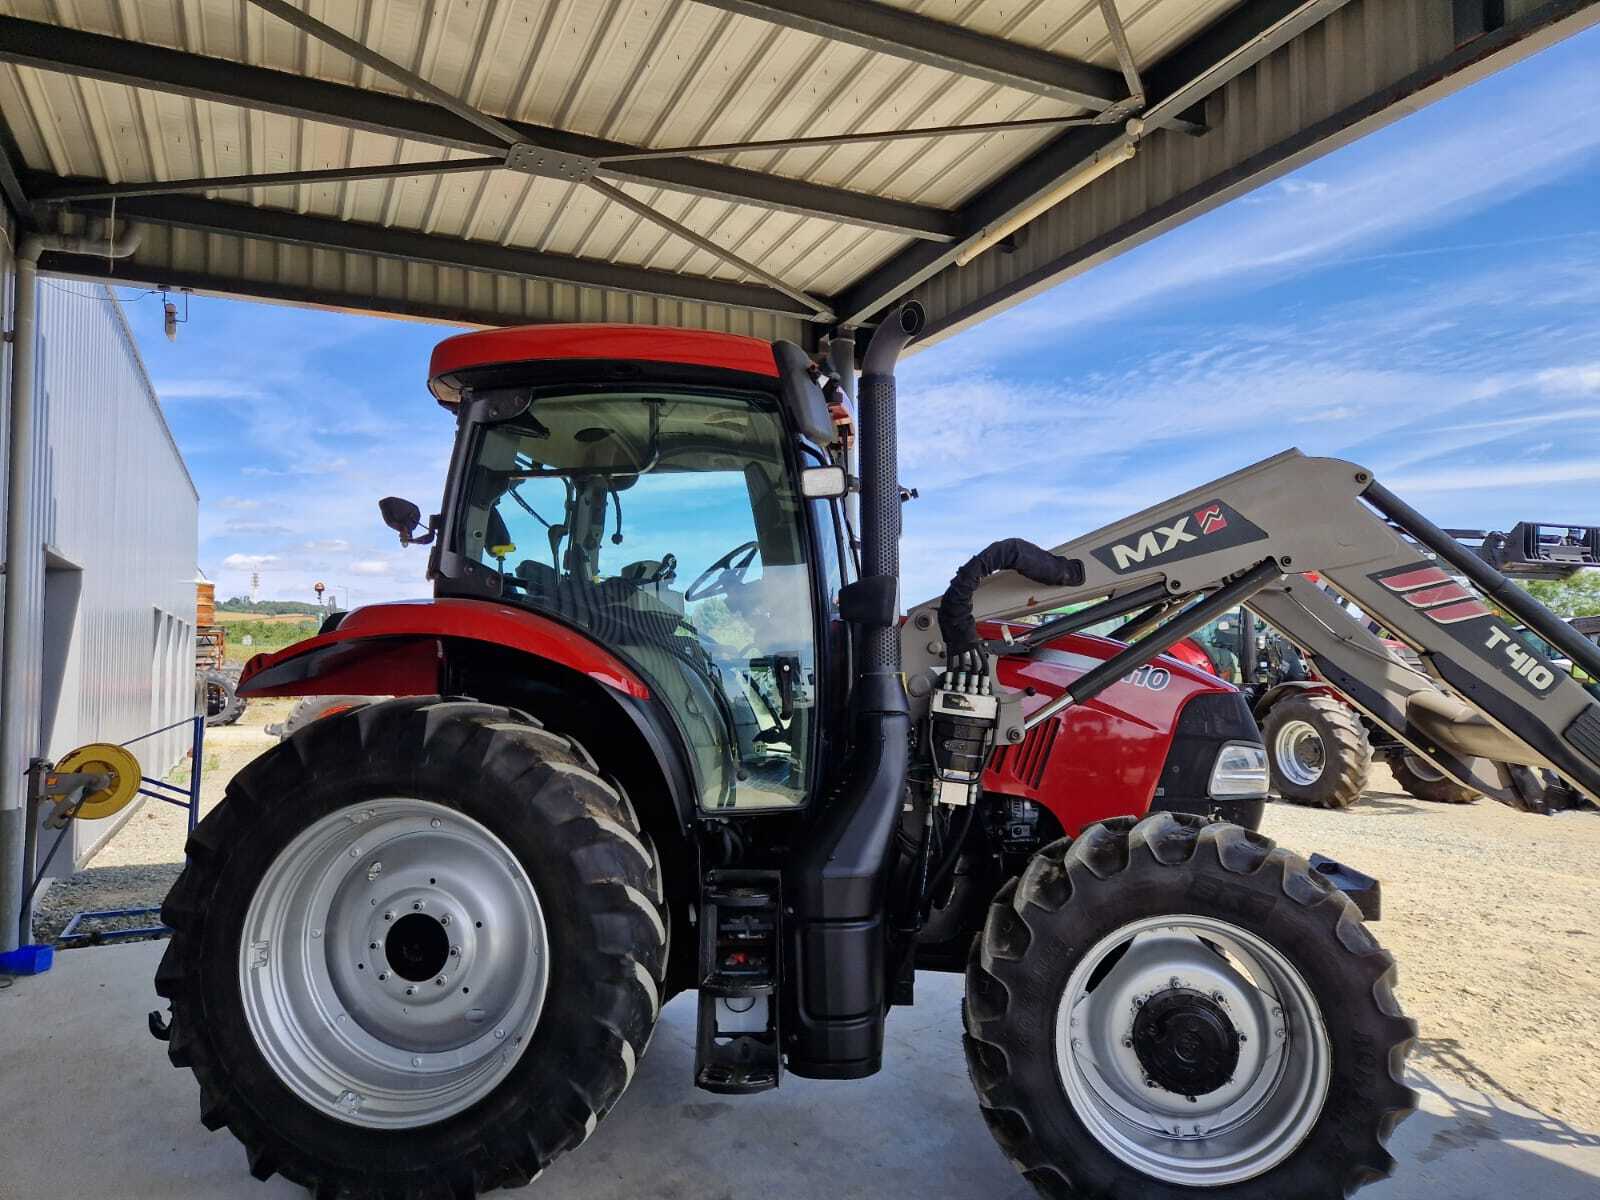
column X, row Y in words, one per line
column 957, row 626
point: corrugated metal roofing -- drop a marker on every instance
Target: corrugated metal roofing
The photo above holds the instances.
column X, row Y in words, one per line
column 653, row 73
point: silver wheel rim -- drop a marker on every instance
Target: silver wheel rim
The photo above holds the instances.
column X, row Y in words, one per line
column 1423, row 769
column 1299, row 752
column 1237, row 1131
column 393, row 963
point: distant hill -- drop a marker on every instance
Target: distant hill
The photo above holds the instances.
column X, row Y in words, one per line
column 271, row 608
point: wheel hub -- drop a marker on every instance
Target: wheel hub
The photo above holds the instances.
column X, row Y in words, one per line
column 417, row 947
column 1299, row 752
column 1185, row 1042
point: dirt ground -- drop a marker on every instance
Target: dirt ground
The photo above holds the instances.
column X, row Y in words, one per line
column 1491, row 913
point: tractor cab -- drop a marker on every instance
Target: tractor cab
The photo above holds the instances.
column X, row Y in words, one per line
column 659, row 509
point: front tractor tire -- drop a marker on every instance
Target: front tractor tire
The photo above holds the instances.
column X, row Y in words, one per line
column 417, row 952
column 1419, row 778
column 1318, row 752
column 1175, row 1009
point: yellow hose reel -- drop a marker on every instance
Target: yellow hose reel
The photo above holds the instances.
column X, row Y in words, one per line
column 103, row 758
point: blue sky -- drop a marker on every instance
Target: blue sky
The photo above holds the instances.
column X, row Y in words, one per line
column 1425, row 301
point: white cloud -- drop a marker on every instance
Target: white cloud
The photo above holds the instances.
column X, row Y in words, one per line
column 369, row 566
column 201, row 387
column 239, row 503
column 328, row 546
column 1580, row 380
column 1472, row 477
column 325, row 466
column 249, row 562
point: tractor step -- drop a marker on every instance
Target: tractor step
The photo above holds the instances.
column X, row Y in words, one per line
column 737, row 1047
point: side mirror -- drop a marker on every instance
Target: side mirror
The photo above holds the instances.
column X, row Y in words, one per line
column 823, row 483
column 404, row 517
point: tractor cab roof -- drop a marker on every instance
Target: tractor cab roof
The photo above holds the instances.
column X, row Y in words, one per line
column 457, row 356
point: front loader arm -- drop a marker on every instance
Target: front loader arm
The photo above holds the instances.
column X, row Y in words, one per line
column 1345, row 653
column 1254, row 533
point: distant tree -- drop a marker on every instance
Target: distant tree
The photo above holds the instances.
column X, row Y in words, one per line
column 243, row 604
column 1575, row 597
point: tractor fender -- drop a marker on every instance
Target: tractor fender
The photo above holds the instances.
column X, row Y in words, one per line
column 395, row 650
column 496, row 653
column 1294, row 687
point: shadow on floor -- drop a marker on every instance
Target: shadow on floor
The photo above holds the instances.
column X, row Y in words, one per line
column 1482, row 1113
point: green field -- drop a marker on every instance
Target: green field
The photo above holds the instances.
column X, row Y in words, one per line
column 265, row 633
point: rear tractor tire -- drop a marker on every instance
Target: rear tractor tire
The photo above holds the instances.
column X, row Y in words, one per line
column 314, row 708
column 1317, row 751
column 224, row 705
column 1420, row 778
column 1172, row 1009
column 417, row 952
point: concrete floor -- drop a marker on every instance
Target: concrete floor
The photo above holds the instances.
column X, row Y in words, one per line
column 93, row 1110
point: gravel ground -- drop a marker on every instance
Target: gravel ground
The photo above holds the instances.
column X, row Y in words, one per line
column 1490, row 912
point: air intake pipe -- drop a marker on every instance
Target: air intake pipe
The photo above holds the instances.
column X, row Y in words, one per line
column 838, row 878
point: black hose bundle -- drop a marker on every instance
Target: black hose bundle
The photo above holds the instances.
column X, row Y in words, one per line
column 956, row 623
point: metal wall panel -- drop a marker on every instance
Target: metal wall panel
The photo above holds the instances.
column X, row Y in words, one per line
column 119, row 525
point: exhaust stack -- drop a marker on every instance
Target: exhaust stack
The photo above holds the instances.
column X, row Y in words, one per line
column 839, row 877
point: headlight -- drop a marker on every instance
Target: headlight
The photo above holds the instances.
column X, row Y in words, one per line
column 1240, row 770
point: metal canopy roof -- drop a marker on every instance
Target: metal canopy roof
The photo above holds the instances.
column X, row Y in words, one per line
column 728, row 164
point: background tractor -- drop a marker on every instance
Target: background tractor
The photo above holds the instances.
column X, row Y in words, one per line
column 662, row 727
column 1321, row 746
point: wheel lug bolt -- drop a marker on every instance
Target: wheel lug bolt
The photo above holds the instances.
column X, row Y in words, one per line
column 1127, row 1043
column 445, row 920
column 411, row 991
column 439, row 981
column 382, row 975
column 388, row 916
column 416, row 906
column 455, row 951
column 372, row 945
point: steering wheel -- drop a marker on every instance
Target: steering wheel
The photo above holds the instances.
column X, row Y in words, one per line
column 716, row 579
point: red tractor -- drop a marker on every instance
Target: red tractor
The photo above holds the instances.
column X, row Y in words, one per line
column 653, row 734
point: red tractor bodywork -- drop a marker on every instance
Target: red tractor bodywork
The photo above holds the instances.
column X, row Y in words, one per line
column 1093, row 761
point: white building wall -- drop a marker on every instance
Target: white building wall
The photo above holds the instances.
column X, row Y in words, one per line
column 118, row 527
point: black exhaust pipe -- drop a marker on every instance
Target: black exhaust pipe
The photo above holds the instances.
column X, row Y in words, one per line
column 838, row 879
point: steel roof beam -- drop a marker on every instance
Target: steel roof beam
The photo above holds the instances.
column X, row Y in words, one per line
column 100, row 190
column 115, row 60
column 10, row 185
column 405, row 245
column 1185, row 77
column 907, row 35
